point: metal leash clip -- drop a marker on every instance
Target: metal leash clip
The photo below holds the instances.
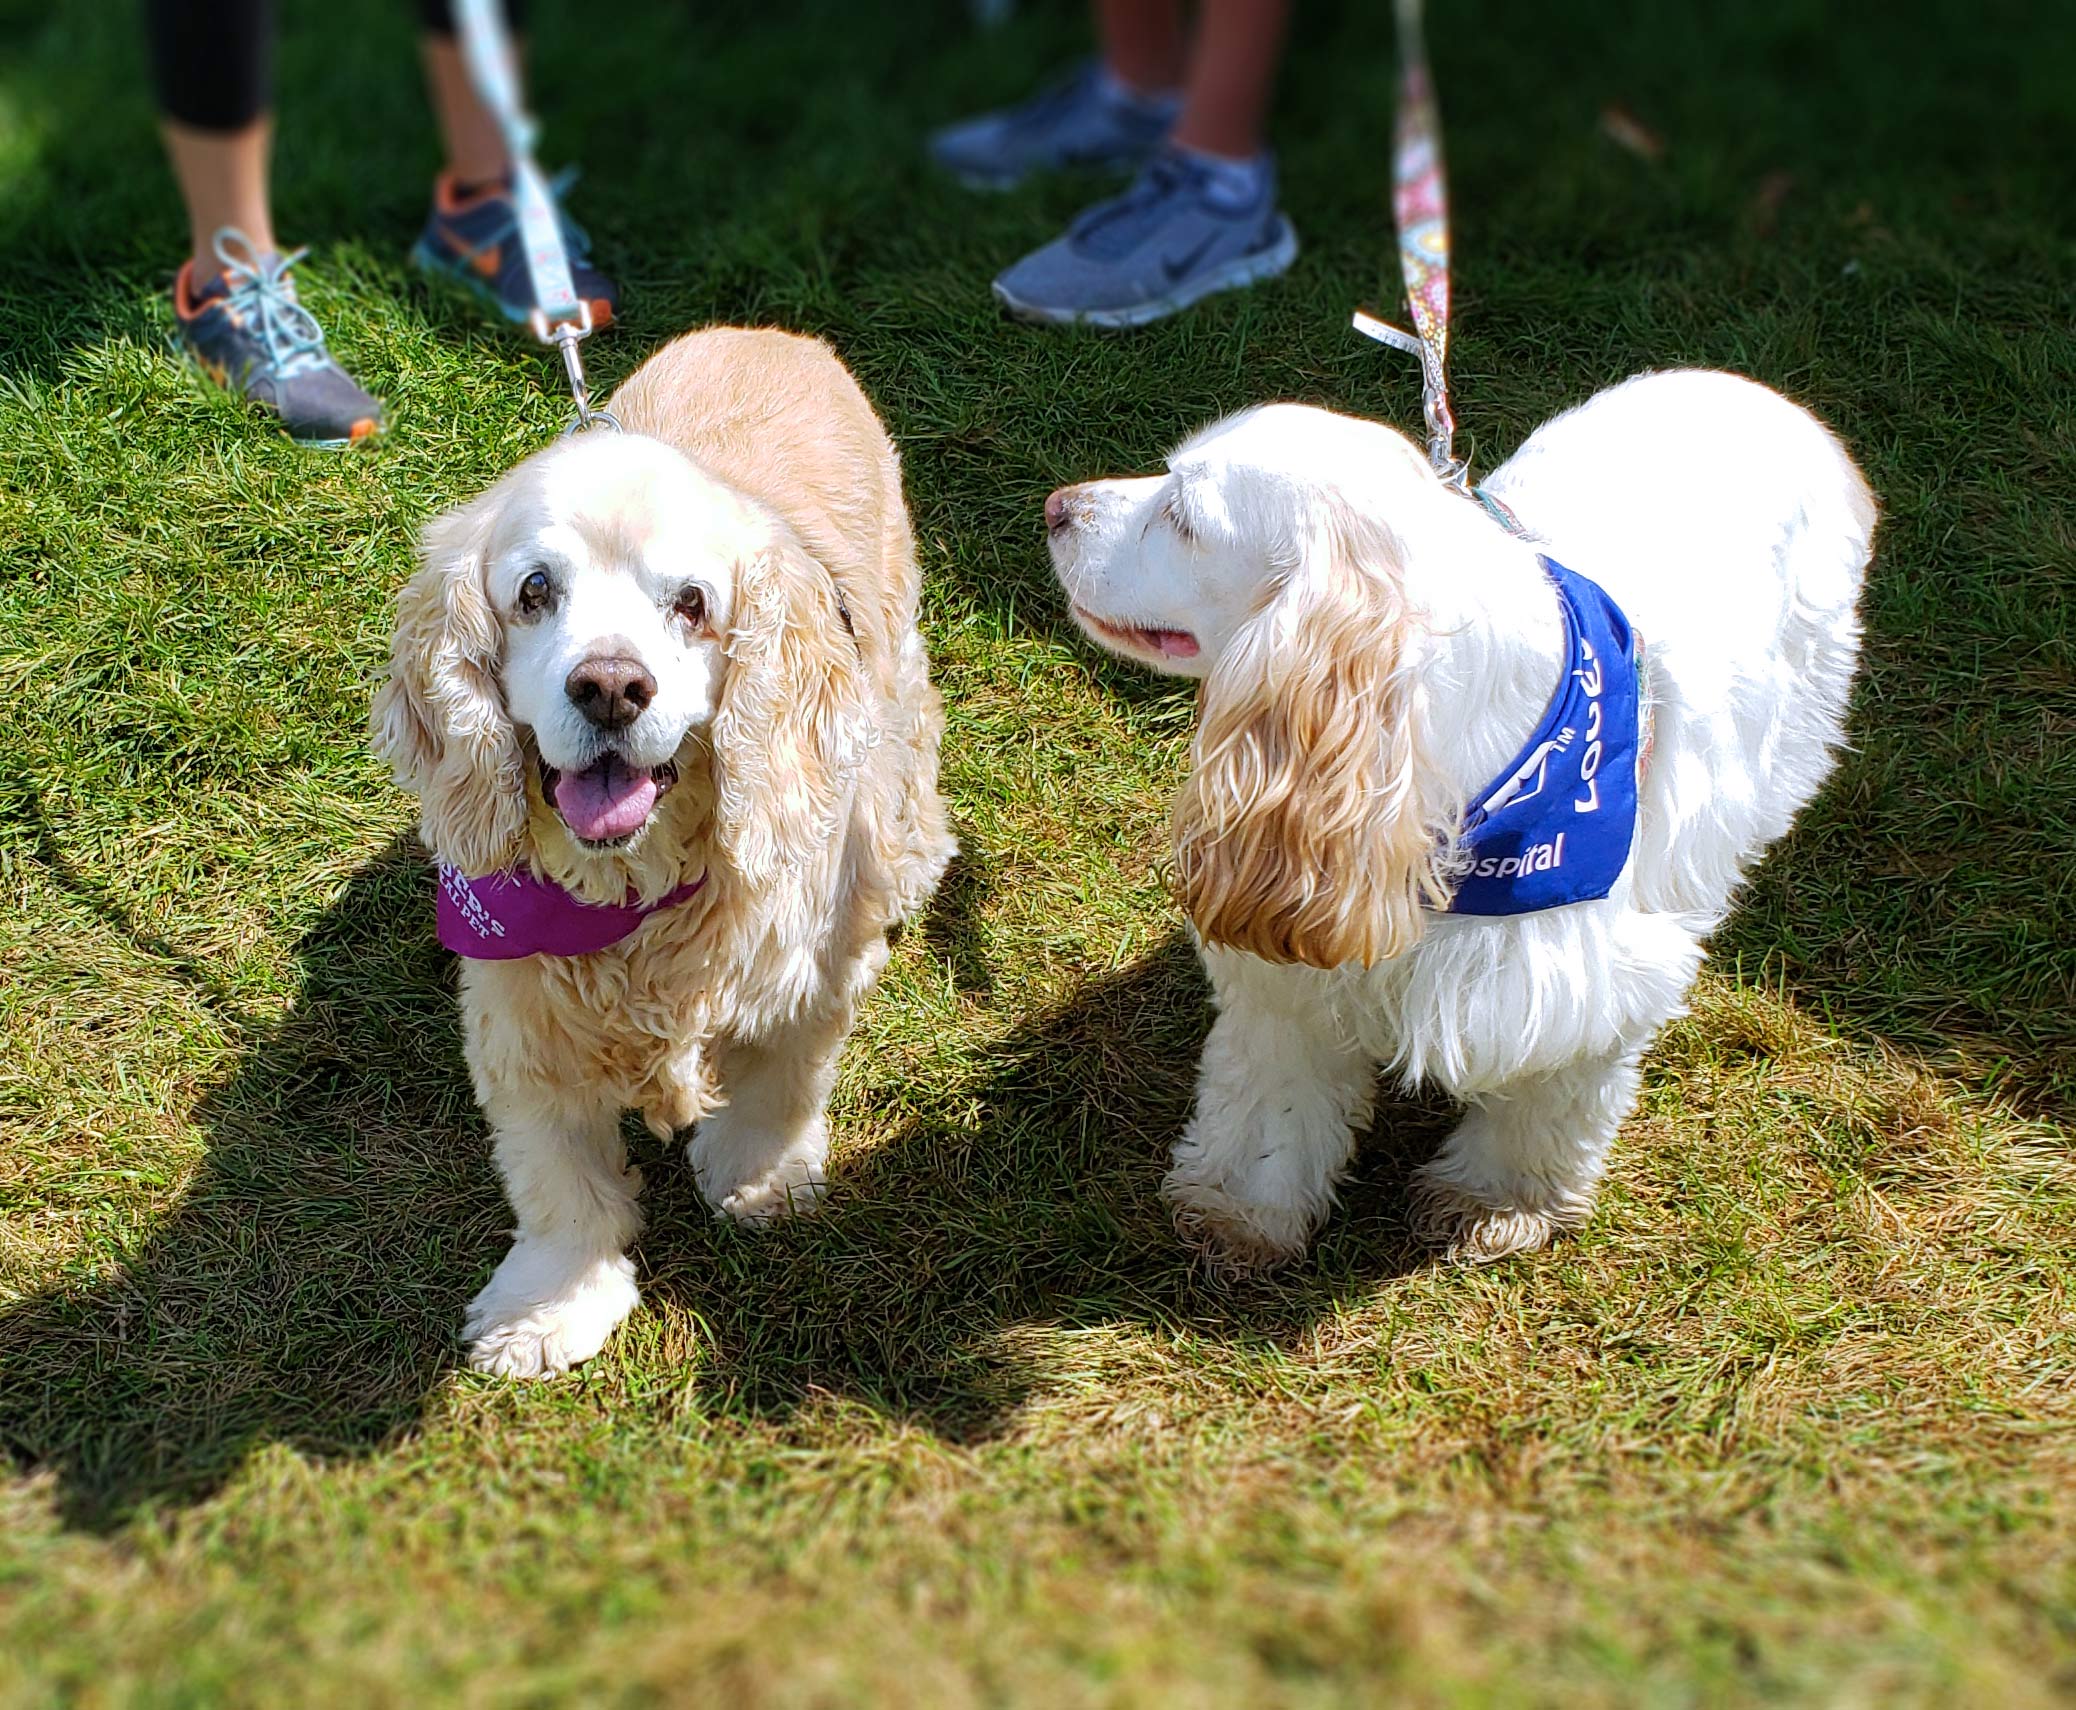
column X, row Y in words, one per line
column 566, row 336
column 560, row 317
column 1434, row 398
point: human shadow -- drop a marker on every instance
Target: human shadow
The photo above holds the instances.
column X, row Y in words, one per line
column 307, row 1286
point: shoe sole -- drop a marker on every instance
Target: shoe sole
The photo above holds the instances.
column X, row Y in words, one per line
column 335, row 444
column 1249, row 269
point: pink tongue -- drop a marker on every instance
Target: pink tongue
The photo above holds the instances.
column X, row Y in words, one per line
column 606, row 801
column 1174, row 643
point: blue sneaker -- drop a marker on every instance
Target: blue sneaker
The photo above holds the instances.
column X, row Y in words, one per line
column 247, row 332
column 1083, row 122
column 474, row 240
column 1173, row 237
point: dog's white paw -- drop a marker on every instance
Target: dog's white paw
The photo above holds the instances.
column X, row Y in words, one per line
column 1234, row 1236
column 1471, row 1232
column 753, row 1176
column 796, row 1187
column 1248, row 1196
column 537, row 1316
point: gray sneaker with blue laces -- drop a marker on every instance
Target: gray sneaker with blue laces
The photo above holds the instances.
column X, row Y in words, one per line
column 1085, row 122
column 248, row 333
column 1176, row 235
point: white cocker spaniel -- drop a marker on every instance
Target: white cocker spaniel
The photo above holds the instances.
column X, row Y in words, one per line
column 663, row 702
column 1465, row 804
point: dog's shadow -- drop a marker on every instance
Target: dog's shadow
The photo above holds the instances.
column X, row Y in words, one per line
column 308, row 1288
column 1025, row 1199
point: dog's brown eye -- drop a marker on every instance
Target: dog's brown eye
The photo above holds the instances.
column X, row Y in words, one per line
column 534, row 591
column 691, row 604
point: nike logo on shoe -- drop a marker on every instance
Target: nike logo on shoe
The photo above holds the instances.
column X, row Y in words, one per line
column 1177, row 266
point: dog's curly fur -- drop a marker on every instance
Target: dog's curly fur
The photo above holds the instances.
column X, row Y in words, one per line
column 806, row 756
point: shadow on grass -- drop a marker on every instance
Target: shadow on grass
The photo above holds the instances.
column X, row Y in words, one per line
column 1030, row 1199
column 308, row 1288
column 953, row 928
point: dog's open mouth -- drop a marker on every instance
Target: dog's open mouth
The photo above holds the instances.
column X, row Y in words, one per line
column 1168, row 643
column 609, row 801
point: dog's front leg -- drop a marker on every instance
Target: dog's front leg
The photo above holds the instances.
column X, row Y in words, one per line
column 1527, row 1159
column 1280, row 1092
column 567, row 1282
column 761, row 1156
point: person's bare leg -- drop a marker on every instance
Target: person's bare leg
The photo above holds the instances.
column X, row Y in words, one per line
column 223, row 180
column 1232, row 76
column 475, row 148
column 1142, row 42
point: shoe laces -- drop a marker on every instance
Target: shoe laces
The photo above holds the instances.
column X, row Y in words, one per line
column 574, row 238
column 261, row 295
column 1113, row 229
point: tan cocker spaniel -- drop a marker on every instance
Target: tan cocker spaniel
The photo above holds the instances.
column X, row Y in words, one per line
column 662, row 699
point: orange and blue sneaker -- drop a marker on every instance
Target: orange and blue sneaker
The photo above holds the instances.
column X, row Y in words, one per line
column 472, row 236
column 246, row 330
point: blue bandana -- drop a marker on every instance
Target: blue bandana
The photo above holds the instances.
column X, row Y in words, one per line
column 1556, row 825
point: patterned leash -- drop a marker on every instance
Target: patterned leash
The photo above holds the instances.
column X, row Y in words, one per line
column 1420, row 206
column 560, row 316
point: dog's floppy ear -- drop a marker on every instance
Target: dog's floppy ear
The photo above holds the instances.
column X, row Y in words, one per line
column 1304, row 832
column 791, row 726
column 440, row 719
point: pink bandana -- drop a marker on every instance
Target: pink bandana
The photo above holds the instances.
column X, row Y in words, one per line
column 504, row 916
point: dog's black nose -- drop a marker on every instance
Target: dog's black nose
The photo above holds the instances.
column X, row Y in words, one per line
column 611, row 691
column 1059, row 509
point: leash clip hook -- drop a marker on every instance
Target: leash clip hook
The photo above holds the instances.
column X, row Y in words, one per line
column 566, row 336
column 1434, row 398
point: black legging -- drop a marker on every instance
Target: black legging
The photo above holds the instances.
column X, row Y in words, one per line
column 212, row 61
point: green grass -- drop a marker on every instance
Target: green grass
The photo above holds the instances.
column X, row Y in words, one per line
column 1790, row 1422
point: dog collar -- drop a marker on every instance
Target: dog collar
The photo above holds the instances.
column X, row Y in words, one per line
column 504, row 916
column 1556, row 826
